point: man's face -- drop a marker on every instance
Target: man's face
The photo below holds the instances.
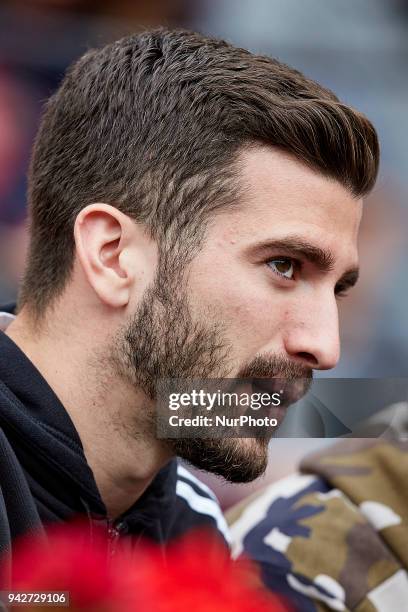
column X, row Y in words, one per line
column 259, row 299
column 271, row 270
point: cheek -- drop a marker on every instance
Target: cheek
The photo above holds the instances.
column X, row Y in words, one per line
column 249, row 308
column 253, row 323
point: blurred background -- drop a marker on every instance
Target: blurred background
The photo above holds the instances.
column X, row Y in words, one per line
column 358, row 48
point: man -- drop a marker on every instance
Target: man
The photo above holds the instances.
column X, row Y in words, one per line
column 194, row 212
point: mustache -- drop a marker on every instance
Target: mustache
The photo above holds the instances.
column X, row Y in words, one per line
column 275, row 366
column 271, row 373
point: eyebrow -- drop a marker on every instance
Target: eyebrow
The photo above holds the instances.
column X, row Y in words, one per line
column 323, row 259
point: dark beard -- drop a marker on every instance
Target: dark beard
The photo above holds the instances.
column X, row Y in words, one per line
column 162, row 341
column 237, row 460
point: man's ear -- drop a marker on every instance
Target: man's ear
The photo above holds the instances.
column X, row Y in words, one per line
column 103, row 238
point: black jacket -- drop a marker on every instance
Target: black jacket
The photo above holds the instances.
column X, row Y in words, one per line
column 45, row 478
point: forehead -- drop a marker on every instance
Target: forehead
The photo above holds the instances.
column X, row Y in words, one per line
column 281, row 196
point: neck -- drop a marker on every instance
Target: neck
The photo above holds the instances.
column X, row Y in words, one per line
column 108, row 413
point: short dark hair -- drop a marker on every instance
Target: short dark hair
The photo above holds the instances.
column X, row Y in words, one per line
column 152, row 124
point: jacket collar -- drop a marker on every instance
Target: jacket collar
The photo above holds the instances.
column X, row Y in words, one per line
column 37, row 416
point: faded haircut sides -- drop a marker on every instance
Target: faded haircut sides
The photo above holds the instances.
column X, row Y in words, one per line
column 153, row 124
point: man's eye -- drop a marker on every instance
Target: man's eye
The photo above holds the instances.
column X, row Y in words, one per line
column 283, row 266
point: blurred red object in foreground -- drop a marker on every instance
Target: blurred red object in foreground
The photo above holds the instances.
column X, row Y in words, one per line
column 191, row 575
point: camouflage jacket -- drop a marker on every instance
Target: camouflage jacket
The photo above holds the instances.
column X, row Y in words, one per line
column 335, row 536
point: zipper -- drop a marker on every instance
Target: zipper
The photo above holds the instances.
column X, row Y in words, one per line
column 115, row 530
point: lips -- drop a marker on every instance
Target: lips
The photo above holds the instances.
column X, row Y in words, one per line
column 289, row 390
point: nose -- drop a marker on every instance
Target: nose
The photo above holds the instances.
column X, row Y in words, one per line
column 311, row 334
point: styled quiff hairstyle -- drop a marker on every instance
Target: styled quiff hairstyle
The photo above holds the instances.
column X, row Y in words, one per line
column 153, row 124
